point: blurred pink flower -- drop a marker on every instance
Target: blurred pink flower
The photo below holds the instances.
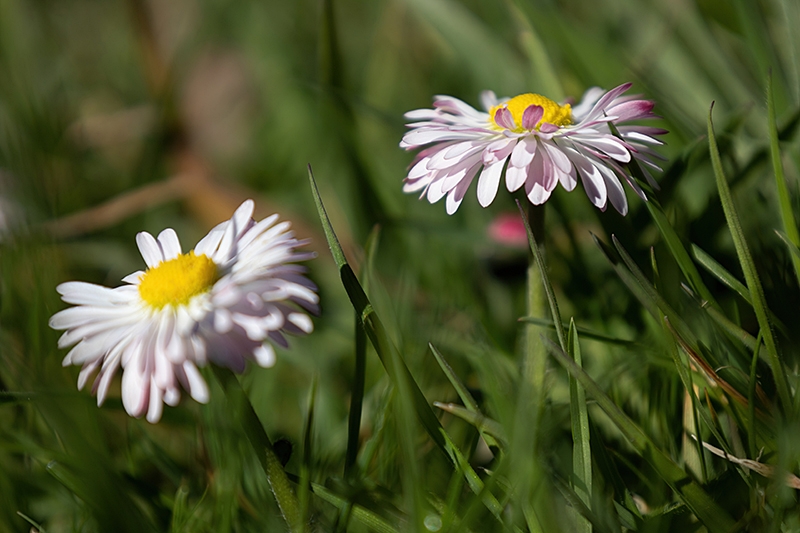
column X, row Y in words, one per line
column 508, row 229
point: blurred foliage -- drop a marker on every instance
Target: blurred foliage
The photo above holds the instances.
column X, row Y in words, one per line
column 123, row 116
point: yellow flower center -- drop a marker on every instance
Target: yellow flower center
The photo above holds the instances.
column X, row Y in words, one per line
column 560, row 115
column 178, row 280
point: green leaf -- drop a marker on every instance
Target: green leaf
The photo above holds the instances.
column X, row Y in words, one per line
column 581, row 447
column 463, row 393
column 392, row 361
column 484, row 424
column 785, row 203
column 584, row 332
column 305, row 466
column 722, row 274
column 276, row 476
column 749, row 269
column 674, row 243
column 363, row 515
column 702, row 505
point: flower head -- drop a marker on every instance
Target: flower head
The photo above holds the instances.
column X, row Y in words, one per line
column 228, row 300
column 538, row 142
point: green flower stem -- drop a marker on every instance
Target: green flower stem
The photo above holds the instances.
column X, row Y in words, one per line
column 529, row 476
column 535, row 362
column 276, row 475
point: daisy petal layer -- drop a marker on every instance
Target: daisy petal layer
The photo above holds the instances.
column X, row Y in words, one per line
column 459, row 142
column 258, row 296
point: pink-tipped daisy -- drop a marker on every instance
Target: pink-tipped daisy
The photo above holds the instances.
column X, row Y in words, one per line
column 536, row 142
column 228, row 300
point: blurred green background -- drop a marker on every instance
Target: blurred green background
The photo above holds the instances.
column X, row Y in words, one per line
column 123, row 116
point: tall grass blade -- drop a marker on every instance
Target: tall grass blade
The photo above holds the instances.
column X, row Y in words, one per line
column 723, row 275
column 364, row 516
column 784, row 201
column 262, row 446
column 581, row 446
column 487, row 427
column 387, row 353
column 750, row 273
column 585, row 333
column 463, row 393
column 671, row 238
column 702, row 505
column 356, row 398
column 305, row 465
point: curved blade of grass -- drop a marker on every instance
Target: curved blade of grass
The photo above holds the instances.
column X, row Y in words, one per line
column 585, row 333
column 372, row 324
column 482, row 423
column 259, row 440
column 702, row 505
column 785, row 203
column 463, row 393
column 360, row 370
column 37, row 528
column 305, row 466
column 723, row 275
column 581, row 447
column 795, row 251
column 674, row 243
column 474, row 482
column 455, row 381
column 548, row 288
column 390, row 358
column 720, row 272
column 654, row 299
column 749, row 269
column 363, row 515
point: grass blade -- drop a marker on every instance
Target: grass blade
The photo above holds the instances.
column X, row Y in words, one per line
column 276, row 475
column 749, row 269
column 702, row 505
column 488, row 427
column 463, row 393
column 305, row 466
column 785, row 203
column 581, row 447
column 722, row 274
column 390, row 358
column 584, row 332
column 363, row 515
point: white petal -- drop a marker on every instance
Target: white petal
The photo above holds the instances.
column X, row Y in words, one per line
column 135, row 391
column 515, row 177
column 170, row 244
column 523, row 152
column 149, row 248
column 557, row 155
column 489, row 182
column 198, row 388
column 155, row 406
column 264, row 355
column 301, row 321
column 208, row 245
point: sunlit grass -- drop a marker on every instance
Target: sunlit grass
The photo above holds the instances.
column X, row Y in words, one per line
column 121, row 117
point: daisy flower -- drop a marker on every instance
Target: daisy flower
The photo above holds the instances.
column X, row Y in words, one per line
column 228, row 300
column 536, row 142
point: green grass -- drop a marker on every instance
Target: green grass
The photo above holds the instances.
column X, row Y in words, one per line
column 428, row 398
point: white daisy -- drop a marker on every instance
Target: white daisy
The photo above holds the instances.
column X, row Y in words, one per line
column 226, row 301
column 538, row 143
